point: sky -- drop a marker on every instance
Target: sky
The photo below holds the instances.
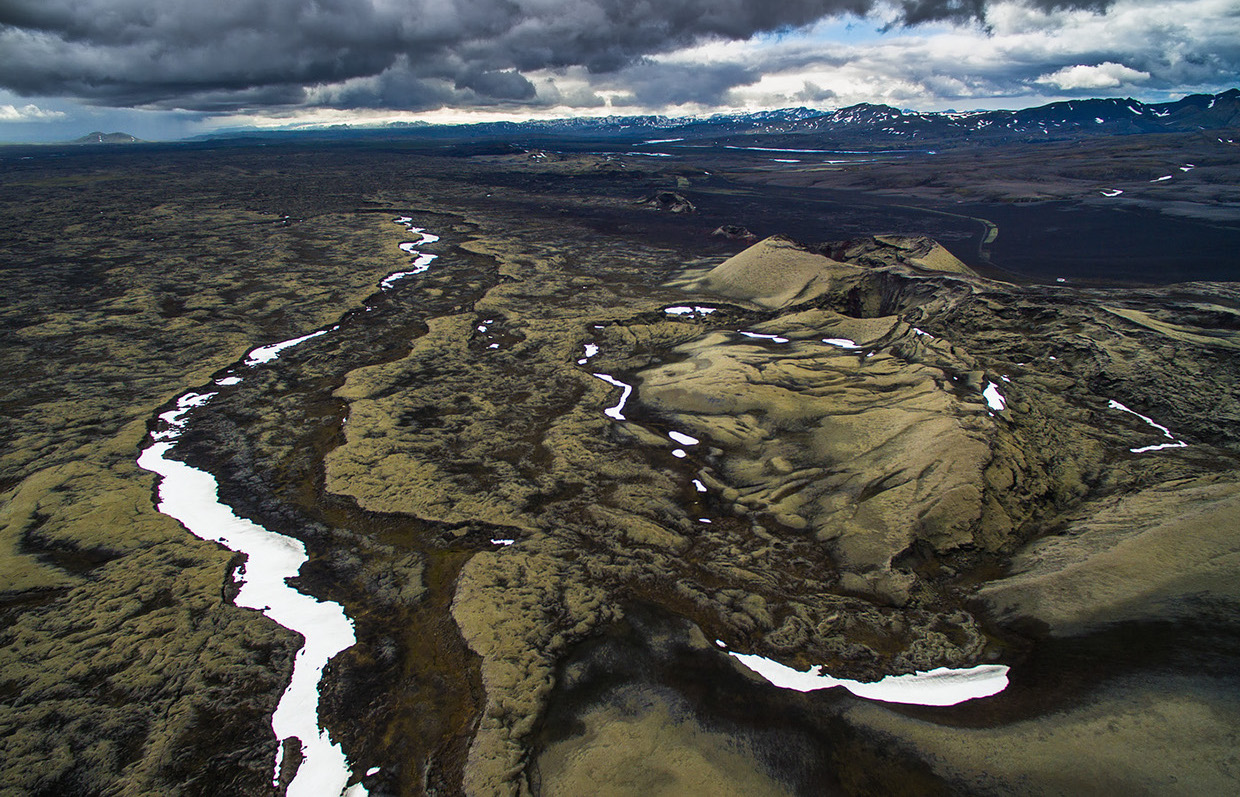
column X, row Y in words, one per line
column 168, row 69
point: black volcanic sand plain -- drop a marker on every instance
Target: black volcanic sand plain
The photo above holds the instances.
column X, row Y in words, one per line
column 868, row 511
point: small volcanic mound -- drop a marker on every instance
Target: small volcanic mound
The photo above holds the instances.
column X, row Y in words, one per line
column 774, row 273
column 669, row 201
column 734, row 232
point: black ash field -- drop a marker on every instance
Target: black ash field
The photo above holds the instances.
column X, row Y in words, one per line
column 648, row 407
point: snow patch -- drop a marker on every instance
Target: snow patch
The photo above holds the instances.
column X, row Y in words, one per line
column 616, row 412
column 694, row 310
column 265, row 354
column 591, row 350
column 994, row 399
column 938, row 687
column 763, row 336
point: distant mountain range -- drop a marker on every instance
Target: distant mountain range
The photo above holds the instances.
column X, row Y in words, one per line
column 873, row 125
column 1071, row 118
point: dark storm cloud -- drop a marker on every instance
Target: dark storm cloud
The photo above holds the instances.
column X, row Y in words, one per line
column 259, row 53
column 394, row 88
column 502, row 85
column 655, row 85
column 917, row 11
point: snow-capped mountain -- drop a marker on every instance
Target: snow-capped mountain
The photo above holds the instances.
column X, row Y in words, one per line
column 1070, row 119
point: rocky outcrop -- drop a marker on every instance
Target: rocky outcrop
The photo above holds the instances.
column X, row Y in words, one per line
column 918, row 251
column 669, row 201
column 734, row 232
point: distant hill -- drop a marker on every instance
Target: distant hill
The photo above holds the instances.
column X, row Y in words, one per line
column 857, row 125
column 106, row 138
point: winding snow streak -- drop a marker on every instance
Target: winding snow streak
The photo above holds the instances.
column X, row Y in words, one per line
column 421, row 260
column 923, row 333
column 1112, row 192
column 172, row 418
column 994, row 399
column 616, row 412
column 420, row 264
column 190, row 496
column 425, row 238
column 1115, row 405
column 843, row 343
column 763, row 336
column 1159, row 447
column 1160, row 179
column 938, row 687
column 265, row 354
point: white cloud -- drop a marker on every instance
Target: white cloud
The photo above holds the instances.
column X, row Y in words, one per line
column 1156, row 49
column 1107, row 75
column 28, row 113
